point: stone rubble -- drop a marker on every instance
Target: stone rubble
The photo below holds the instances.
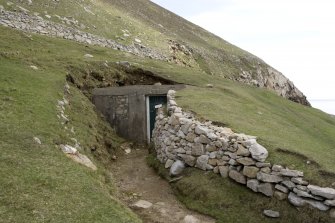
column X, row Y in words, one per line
column 179, row 138
column 36, row 24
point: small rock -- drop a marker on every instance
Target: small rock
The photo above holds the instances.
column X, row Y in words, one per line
column 34, row 67
column 332, row 213
column 289, row 184
column 198, row 149
column 188, row 159
column 191, row 219
column 168, row 163
column 246, row 161
column 277, row 168
column 237, row 176
column 330, row 203
column 241, row 151
column 253, row 185
column 224, row 171
column 296, row 200
column 299, row 180
column 250, row 171
column 202, row 162
column 281, row 188
column 88, row 56
column 68, row 149
column 261, row 165
column 271, row 214
column 268, row 178
column 142, row 204
column 325, row 192
column 48, row 16
column 266, row 189
column 37, row 140
column 138, row 40
column 291, row 173
column 209, row 85
column 266, row 170
column 280, row 195
column 177, row 168
column 127, row 151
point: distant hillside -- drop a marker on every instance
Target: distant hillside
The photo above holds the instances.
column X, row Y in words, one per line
column 179, row 40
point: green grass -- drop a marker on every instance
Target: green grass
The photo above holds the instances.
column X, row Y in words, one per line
column 277, row 122
column 38, row 182
column 228, row 201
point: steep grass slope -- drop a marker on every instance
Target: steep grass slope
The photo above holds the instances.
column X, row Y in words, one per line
column 40, row 184
column 185, row 43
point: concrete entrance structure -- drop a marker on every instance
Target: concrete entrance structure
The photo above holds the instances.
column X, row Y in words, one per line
column 127, row 108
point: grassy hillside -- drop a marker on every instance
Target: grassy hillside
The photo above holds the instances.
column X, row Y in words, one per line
column 39, row 183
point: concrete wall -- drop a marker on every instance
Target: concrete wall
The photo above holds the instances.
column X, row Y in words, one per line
column 125, row 107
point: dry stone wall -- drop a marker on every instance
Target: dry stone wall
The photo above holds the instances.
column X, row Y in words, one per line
column 36, row 24
column 180, row 140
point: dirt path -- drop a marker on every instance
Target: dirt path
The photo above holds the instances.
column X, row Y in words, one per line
column 137, row 181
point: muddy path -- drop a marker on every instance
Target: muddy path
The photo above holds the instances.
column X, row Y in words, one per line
column 136, row 181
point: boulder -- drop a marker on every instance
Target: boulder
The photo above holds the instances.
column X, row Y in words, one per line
column 250, row 171
column 271, row 214
column 269, row 178
column 177, row 168
column 258, row 152
column 202, row 162
column 266, row 189
column 253, row 185
column 325, row 192
column 237, row 176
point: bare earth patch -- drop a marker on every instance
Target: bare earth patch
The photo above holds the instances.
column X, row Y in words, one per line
column 137, row 181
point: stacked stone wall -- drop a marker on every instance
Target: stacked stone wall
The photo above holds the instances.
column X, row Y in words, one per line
column 181, row 140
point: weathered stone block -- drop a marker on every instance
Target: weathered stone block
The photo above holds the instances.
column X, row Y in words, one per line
column 266, row 189
column 246, row 161
column 268, row 178
column 250, row 171
column 237, row 176
column 202, row 162
column 253, row 185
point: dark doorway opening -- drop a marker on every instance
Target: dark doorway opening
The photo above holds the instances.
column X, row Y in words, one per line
column 152, row 102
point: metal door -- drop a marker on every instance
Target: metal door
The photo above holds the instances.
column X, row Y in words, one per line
column 153, row 101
